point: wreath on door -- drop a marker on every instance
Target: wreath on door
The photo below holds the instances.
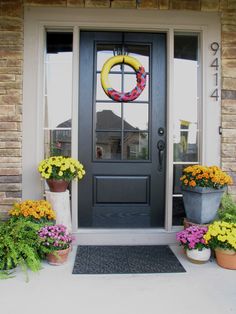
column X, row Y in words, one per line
column 140, row 78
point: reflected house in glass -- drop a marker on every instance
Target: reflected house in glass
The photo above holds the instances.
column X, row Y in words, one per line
column 108, row 145
column 60, row 140
column 185, row 145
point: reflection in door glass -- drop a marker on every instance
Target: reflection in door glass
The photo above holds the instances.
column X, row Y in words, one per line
column 140, row 52
column 136, row 145
column 108, row 116
column 104, row 52
column 111, row 116
column 115, row 82
column 130, row 82
column 136, row 116
column 108, row 145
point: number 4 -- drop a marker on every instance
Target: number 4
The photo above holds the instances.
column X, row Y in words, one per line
column 215, row 94
column 215, row 64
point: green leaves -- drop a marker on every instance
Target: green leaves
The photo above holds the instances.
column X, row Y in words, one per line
column 227, row 211
column 19, row 245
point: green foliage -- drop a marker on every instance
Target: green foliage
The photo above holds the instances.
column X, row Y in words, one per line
column 19, row 245
column 227, row 210
column 6, row 274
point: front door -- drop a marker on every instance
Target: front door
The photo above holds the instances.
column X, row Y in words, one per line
column 122, row 144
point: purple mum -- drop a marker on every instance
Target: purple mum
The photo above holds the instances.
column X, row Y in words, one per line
column 55, row 237
column 192, row 237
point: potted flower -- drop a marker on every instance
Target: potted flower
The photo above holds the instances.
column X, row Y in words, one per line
column 35, row 210
column 221, row 236
column 202, row 189
column 59, row 171
column 56, row 243
column 193, row 242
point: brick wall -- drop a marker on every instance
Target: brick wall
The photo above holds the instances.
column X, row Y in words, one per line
column 11, row 60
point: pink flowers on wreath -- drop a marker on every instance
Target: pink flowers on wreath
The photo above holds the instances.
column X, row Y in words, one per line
column 192, row 238
column 55, row 237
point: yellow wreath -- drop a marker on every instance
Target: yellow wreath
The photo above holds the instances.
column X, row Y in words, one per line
column 140, row 75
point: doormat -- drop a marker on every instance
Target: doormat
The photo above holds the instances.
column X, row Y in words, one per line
column 126, row 260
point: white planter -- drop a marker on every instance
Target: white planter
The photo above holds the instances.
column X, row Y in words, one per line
column 61, row 204
column 197, row 256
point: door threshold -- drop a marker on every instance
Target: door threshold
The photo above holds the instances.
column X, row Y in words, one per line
column 158, row 236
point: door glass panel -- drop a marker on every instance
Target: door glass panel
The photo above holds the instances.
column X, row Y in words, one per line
column 108, row 116
column 136, row 145
column 104, row 52
column 108, row 145
column 115, row 82
column 117, row 116
column 141, row 53
column 130, row 82
column 135, row 116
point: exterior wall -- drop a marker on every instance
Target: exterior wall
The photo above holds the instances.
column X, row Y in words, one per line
column 11, row 85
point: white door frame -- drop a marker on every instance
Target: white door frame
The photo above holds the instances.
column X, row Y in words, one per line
column 39, row 19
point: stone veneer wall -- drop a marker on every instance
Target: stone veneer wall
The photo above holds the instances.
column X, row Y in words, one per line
column 11, row 67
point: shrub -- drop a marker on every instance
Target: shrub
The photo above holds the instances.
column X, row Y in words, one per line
column 227, row 210
column 19, row 245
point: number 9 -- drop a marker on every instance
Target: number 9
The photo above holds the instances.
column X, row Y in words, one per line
column 215, row 47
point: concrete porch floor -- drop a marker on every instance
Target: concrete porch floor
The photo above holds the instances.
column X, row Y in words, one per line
column 202, row 289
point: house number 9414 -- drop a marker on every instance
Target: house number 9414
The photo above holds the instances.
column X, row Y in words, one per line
column 215, row 64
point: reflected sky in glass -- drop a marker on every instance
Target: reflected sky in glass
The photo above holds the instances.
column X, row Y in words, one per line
column 58, row 88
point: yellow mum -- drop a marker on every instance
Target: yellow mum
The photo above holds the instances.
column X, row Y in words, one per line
column 60, row 167
column 221, row 234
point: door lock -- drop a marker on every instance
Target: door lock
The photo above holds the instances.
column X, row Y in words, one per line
column 161, row 131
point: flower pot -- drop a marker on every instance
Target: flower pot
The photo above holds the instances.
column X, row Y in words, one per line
column 201, row 204
column 57, row 185
column 226, row 258
column 197, row 256
column 58, row 257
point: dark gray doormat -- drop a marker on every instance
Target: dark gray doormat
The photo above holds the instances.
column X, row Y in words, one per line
column 126, row 260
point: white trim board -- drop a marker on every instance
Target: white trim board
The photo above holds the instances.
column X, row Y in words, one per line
column 37, row 19
column 125, row 236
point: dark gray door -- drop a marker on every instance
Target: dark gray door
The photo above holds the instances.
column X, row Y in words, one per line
column 122, row 145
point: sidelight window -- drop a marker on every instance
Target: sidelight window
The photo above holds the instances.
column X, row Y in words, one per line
column 58, row 94
column 186, row 104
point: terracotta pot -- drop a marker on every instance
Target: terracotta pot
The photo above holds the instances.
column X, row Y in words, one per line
column 199, row 257
column 59, row 257
column 226, row 258
column 57, row 185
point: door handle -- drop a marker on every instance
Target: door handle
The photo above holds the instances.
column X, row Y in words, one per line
column 161, row 147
